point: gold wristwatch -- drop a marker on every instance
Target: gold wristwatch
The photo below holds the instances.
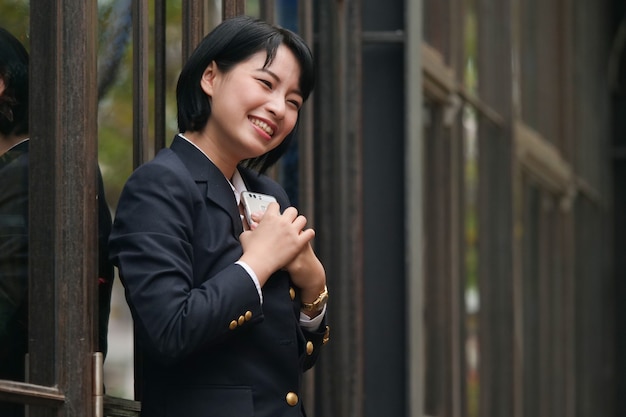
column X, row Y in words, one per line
column 318, row 304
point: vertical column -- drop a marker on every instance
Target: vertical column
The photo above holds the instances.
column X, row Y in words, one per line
column 495, row 208
column 193, row 25
column 160, row 74
column 339, row 208
column 414, row 189
column 141, row 87
column 63, row 214
column 231, row 8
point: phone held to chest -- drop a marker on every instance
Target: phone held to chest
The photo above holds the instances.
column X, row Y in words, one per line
column 254, row 202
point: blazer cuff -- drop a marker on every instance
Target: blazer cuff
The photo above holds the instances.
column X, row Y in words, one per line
column 314, row 323
column 254, row 278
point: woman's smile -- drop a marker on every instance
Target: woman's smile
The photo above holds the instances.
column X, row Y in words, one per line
column 265, row 126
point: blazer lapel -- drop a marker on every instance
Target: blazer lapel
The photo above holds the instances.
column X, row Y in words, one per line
column 218, row 189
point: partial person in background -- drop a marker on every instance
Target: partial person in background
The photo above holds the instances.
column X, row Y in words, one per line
column 14, row 142
column 228, row 313
column 13, row 209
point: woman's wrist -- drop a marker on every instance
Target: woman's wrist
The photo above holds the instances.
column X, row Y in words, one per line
column 312, row 282
column 314, row 307
column 309, row 295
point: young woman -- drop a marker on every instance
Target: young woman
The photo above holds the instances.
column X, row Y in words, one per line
column 228, row 314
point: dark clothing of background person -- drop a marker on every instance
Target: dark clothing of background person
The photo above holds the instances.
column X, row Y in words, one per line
column 13, row 261
column 14, row 267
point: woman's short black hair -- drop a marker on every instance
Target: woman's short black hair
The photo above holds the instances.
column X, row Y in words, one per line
column 231, row 42
column 14, row 73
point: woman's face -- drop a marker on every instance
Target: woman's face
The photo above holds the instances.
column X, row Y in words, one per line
column 253, row 108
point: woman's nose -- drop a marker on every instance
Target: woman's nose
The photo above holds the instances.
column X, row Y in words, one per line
column 276, row 105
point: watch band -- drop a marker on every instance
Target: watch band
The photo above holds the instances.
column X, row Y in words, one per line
column 318, row 304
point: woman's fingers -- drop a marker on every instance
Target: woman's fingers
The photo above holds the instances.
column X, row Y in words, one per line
column 290, row 214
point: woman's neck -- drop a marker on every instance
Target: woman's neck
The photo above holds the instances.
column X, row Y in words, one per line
column 203, row 142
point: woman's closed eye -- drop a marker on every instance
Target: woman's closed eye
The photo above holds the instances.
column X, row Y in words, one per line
column 295, row 103
column 266, row 83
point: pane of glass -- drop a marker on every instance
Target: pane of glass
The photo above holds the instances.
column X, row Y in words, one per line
column 118, row 367
column 115, row 157
column 471, row 150
column 472, row 293
column 287, row 14
column 115, row 153
column 13, row 197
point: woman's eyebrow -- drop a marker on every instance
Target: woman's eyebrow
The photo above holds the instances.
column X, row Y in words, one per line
column 271, row 73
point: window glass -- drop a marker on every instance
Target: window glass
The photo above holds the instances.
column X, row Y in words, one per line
column 13, row 198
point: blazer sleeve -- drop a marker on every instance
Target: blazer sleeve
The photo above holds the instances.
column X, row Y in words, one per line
column 152, row 244
column 318, row 338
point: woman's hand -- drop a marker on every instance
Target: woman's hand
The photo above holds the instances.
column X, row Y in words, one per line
column 306, row 270
column 274, row 242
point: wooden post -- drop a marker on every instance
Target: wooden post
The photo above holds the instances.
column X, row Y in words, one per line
column 63, row 213
column 339, row 205
column 495, row 212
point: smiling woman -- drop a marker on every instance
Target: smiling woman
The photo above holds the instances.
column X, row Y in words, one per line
column 254, row 106
column 228, row 320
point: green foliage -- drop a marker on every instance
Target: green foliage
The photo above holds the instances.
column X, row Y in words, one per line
column 253, row 8
column 471, row 46
column 14, row 17
column 115, row 113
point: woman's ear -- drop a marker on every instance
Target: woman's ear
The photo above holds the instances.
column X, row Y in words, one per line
column 207, row 82
column 2, row 86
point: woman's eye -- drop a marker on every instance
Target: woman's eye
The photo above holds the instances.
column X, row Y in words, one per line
column 295, row 103
column 267, row 83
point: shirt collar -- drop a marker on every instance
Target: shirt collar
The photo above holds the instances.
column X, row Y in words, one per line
column 236, row 184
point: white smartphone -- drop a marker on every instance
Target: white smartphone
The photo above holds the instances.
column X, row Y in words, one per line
column 253, row 202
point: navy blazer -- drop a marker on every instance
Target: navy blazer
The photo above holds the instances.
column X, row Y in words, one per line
column 211, row 349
